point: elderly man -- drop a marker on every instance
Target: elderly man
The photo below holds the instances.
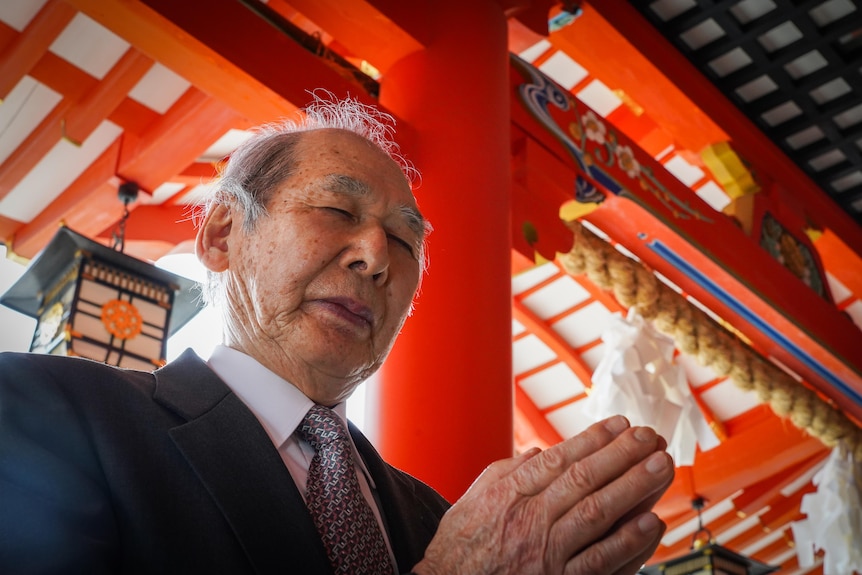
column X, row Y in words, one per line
column 243, row 464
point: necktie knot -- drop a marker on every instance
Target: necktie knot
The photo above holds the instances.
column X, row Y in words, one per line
column 323, row 429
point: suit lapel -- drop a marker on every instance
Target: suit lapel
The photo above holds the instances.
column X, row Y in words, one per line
column 411, row 519
column 242, row 471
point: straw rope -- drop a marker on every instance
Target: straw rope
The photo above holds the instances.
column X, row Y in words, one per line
column 696, row 334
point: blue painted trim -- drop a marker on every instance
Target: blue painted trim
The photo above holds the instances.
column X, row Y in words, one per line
column 714, row 289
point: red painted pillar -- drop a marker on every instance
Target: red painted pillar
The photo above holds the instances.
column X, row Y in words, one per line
column 444, row 407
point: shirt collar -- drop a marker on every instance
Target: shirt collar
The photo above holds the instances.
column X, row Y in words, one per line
column 277, row 404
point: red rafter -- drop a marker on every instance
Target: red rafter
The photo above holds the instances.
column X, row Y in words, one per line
column 27, row 48
column 101, row 101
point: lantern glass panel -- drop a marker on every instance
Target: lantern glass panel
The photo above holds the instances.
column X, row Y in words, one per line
column 93, row 301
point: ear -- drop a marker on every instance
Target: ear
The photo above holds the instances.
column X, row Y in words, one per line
column 211, row 244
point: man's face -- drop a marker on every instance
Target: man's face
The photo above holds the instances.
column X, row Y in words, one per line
column 320, row 288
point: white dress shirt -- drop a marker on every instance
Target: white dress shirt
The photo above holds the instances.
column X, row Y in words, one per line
column 280, row 408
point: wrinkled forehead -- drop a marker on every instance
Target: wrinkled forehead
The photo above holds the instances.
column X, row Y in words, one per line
column 338, row 151
column 340, row 142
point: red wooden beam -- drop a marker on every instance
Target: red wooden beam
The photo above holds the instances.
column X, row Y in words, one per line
column 176, row 139
column 62, row 76
column 768, row 553
column 78, row 206
column 201, row 61
column 536, row 419
column 553, row 340
column 785, row 509
column 609, row 56
column 171, row 224
column 33, row 148
column 747, row 537
column 79, row 117
column 133, row 116
column 167, row 147
column 361, row 27
column 757, row 496
column 7, row 229
column 239, row 36
column 7, row 36
column 28, row 47
column 723, row 470
column 98, row 103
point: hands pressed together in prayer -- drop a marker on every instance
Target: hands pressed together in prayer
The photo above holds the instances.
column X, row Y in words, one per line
column 581, row 507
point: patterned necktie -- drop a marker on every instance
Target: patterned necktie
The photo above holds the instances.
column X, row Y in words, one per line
column 343, row 518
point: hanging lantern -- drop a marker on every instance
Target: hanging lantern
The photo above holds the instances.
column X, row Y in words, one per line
column 708, row 558
column 93, row 301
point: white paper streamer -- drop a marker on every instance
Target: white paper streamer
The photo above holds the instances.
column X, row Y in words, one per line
column 834, row 522
column 638, row 378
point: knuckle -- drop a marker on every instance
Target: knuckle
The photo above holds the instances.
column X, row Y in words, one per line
column 536, row 474
column 598, row 560
column 554, row 460
column 591, row 511
column 581, row 476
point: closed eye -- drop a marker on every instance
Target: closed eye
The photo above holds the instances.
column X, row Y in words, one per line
column 403, row 243
column 407, row 245
column 339, row 211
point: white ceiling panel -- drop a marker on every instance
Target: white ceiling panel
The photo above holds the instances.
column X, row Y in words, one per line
column 19, row 13
column 159, row 88
column 552, row 385
column 563, row 70
column 530, row 352
column 570, row 420
column 558, row 296
column 585, row 325
column 527, row 279
column 21, row 112
column 600, row 98
column 55, row 172
column 89, row 46
column 593, row 356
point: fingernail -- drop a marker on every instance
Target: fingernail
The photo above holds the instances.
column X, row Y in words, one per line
column 657, row 462
column 616, row 424
column 644, row 434
column 648, row 523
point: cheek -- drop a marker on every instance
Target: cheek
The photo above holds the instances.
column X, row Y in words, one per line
column 282, row 268
column 401, row 296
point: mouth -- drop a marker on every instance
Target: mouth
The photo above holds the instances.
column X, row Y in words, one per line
column 350, row 310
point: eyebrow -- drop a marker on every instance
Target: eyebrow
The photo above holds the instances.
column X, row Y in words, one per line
column 350, row 186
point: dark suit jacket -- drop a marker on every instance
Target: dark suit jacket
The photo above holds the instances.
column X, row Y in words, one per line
column 113, row 471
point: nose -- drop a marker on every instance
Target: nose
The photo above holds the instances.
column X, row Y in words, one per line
column 368, row 254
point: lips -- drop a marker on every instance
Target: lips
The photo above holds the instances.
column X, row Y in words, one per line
column 350, row 309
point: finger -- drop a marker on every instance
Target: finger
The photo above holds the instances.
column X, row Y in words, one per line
column 649, row 502
column 639, row 559
column 597, row 515
column 633, row 493
column 538, row 473
column 502, row 468
column 600, row 468
column 622, row 553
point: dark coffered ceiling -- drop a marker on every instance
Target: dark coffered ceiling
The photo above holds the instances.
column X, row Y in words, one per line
column 794, row 68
